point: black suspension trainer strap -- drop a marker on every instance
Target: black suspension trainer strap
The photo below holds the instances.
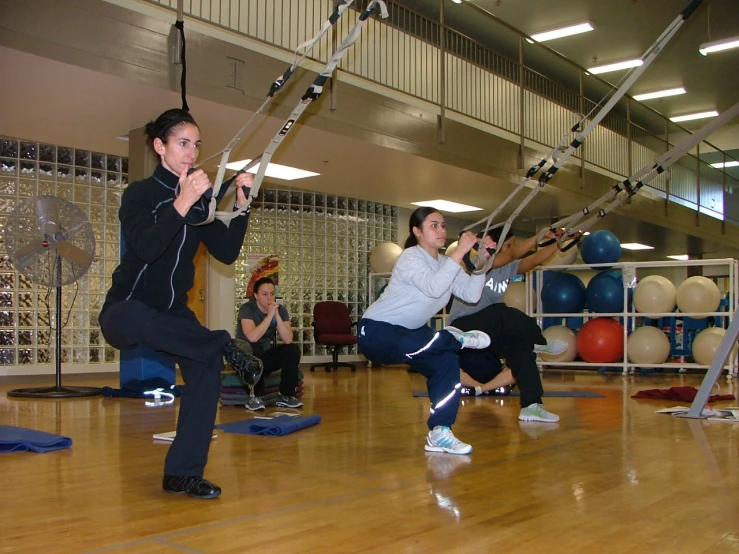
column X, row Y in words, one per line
column 180, row 25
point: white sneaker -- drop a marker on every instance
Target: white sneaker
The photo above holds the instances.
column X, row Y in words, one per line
column 476, row 340
column 441, row 439
column 553, row 347
column 537, row 412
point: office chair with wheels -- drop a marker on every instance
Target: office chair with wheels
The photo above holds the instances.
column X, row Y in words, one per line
column 332, row 327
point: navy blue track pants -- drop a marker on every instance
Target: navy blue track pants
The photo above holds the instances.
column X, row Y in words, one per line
column 432, row 353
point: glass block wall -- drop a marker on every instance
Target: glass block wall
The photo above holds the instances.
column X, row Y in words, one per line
column 93, row 182
column 323, row 243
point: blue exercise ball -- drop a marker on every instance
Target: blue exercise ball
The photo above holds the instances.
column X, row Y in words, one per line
column 563, row 293
column 601, row 247
column 605, row 293
column 546, row 276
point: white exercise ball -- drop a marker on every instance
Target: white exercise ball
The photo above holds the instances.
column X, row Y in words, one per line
column 561, row 258
column 697, row 294
column 706, row 343
column 648, row 345
column 654, row 294
column 515, row 295
column 560, row 332
column 384, row 256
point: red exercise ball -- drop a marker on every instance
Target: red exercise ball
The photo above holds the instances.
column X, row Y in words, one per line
column 601, row 340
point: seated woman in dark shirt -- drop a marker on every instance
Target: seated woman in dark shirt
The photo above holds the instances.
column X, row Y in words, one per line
column 260, row 319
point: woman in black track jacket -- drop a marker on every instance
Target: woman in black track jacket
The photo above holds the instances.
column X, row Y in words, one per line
column 146, row 306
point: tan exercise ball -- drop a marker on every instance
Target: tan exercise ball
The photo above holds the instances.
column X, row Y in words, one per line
column 561, row 258
column 451, row 248
column 706, row 343
column 648, row 345
column 384, row 256
column 560, row 332
column 515, row 295
column 654, row 294
column 698, row 294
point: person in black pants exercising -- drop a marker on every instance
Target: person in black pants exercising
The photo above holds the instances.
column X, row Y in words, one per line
column 514, row 336
column 146, row 305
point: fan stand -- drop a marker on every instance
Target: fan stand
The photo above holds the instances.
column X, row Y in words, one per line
column 57, row 391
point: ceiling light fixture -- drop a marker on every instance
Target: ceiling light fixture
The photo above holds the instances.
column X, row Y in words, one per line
column 447, row 206
column 719, row 45
column 274, row 170
column 680, row 257
column 692, row 116
column 659, row 94
column 563, row 32
column 721, row 165
column 636, row 246
column 628, row 64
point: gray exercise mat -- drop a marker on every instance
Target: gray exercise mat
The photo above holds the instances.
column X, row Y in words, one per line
column 549, row 394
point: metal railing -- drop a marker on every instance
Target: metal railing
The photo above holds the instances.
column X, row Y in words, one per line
column 403, row 54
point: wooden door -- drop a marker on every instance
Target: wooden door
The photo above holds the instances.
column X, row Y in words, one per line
column 197, row 294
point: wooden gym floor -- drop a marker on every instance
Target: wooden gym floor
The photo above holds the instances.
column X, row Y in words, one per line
column 611, row 477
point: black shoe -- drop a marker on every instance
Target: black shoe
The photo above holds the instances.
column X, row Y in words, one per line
column 239, row 354
column 503, row 391
column 196, row 487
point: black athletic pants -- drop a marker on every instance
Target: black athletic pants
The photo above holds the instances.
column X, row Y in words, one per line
column 197, row 350
column 513, row 335
column 285, row 357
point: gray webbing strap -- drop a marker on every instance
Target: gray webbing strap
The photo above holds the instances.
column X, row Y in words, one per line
column 561, row 153
column 299, row 55
column 622, row 191
column 313, row 93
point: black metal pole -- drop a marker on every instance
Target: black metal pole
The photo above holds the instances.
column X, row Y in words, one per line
column 59, row 325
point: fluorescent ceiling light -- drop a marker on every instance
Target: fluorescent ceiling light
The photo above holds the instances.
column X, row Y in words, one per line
column 690, row 117
column 680, row 257
column 636, row 246
column 720, row 165
column 274, row 170
column 719, row 45
column 628, row 64
column 447, row 206
column 563, row 32
column 660, row 94
column 457, row 1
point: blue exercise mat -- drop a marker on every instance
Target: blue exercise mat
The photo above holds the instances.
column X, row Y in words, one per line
column 19, row 439
column 549, row 394
column 274, row 427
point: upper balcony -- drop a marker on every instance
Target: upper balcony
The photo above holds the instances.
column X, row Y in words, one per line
column 473, row 84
